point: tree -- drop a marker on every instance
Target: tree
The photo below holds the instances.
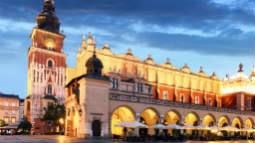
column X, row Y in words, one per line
column 2, row 123
column 53, row 113
column 25, row 125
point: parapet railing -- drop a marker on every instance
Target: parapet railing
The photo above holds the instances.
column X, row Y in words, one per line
column 146, row 100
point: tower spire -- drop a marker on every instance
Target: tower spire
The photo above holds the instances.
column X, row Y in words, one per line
column 47, row 20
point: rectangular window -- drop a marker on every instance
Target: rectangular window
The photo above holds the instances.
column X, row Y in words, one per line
column 115, row 83
column 150, row 89
column 13, row 104
column 6, row 112
column 248, row 103
column 6, row 104
column 139, row 87
column 13, row 120
column 196, row 100
column 13, row 112
column 209, row 102
column 165, row 95
column 6, row 119
column 182, row 98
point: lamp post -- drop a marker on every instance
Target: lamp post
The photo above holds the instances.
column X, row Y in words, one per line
column 61, row 122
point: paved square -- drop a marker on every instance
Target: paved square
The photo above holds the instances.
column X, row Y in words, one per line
column 65, row 139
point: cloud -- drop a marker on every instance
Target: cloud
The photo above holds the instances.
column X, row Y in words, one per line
column 206, row 25
column 206, row 29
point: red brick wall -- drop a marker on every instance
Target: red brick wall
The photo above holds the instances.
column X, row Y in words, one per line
column 170, row 91
column 40, row 39
column 213, row 99
column 229, row 101
column 198, row 94
column 42, row 58
column 186, row 95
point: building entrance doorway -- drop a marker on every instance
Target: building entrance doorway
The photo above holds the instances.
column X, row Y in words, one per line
column 96, row 128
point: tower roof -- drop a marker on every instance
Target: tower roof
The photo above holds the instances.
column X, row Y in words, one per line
column 47, row 20
column 94, row 65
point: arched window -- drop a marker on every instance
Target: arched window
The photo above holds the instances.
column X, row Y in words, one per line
column 49, row 89
column 50, row 64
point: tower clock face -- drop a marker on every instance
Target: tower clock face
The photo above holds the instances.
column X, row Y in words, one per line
column 50, row 42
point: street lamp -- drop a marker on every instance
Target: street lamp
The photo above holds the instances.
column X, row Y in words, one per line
column 61, row 121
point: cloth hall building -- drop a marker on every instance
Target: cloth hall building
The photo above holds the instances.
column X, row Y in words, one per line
column 105, row 89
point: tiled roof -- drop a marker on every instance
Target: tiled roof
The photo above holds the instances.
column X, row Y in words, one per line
column 9, row 96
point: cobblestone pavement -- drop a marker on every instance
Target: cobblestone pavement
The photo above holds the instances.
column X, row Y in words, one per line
column 64, row 139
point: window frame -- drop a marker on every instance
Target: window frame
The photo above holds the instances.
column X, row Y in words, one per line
column 182, row 98
column 49, row 88
column 165, row 95
column 196, row 99
column 50, row 61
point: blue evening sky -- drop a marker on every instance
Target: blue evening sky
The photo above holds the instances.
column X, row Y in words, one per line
column 215, row 34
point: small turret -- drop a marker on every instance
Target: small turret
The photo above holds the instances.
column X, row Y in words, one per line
column 83, row 42
column 168, row 61
column 90, row 39
column 129, row 52
column 201, row 70
column 240, row 67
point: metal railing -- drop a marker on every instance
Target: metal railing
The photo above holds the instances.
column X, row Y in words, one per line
column 146, row 100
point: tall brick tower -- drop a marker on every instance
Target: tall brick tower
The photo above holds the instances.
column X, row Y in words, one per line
column 46, row 66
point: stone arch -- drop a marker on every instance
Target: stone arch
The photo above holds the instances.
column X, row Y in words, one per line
column 237, row 122
column 249, row 123
column 151, row 108
column 209, row 120
column 192, row 118
column 151, row 114
column 172, row 117
column 119, row 115
column 223, row 121
column 130, row 108
column 150, row 117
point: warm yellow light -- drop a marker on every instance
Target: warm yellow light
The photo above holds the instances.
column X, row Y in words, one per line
column 214, row 131
column 61, row 121
column 235, row 88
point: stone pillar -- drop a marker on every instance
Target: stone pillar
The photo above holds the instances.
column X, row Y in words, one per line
column 182, row 122
column 88, row 131
column 105, row 130
column 138, row 116
column 161, row 121
column 242, row 102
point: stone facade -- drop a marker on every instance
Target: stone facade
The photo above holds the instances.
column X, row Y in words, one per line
column 9, row 108
column 151, row 93
column 105, row 89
